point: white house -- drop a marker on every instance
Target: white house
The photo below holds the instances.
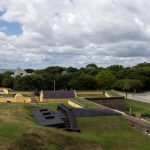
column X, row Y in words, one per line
column 20, row 72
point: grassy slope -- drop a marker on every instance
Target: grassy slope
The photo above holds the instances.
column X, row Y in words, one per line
column 112, row 93
column 86, row 103
column 19, row 131
column 136, row 106
column 91, row 95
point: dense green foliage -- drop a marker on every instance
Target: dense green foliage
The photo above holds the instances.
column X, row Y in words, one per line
column 128, row 84
column 90, row 77
column 105, row 79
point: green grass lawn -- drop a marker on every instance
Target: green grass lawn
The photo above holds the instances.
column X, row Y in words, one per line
column 19, row 131
column 113, row 93
column 91, row 95
column 137, row 107
column 6, row 95
column 28, row 94
column 86, row 103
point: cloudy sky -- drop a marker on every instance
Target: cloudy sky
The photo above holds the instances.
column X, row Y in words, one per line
column 41, row 33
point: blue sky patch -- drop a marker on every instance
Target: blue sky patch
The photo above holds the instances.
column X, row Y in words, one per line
column 2, row 12
column 12, row 28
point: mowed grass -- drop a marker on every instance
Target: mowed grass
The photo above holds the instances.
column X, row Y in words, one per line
column 6, row 95
column 19, row 131
column 90, row 94
column 113, row 93
column 87, row 103
column 137, row 107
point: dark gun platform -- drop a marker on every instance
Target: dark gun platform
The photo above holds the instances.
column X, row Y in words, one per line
column 65, row 117
column 46, row 117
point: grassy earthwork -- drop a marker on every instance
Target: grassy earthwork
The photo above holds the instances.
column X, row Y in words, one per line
column 137, row 107
column 19, row 131
column 90, row 94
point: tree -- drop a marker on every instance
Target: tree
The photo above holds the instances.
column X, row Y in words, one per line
column 72, row 70
column 54, row 70
column 105, row 79
column 1, row 78
column 144, row 64
column 91, row 66
column 92, row 69
column 23, row 83
column 7, row 74
column 128, row 84
column 83, row 82
column 37, row 82
column 29, row 70
column 124, row 73
column 115, row 67
column 48, row 81
column 8, row 82
column 31, row 82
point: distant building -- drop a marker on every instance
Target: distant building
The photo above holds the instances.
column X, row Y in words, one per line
column 20, row 72
column 64, row 73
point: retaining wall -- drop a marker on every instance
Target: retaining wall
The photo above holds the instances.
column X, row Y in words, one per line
column 111, row 102
column 17, row 100
column 74, row 104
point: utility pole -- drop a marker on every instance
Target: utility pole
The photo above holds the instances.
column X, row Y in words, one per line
column 130, row 111
column 54, row 85
column 126, row 94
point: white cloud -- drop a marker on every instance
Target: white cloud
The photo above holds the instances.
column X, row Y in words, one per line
column 55, row 27
column 75, row 32
column 71, row 18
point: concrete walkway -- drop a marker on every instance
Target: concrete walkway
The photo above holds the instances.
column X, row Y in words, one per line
column 143, row 97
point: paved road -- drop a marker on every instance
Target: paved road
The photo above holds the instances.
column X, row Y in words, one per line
column 144, row 97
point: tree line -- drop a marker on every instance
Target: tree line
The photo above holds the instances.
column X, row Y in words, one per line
column 90, row 77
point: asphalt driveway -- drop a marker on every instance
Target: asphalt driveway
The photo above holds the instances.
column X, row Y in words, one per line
column 144, row 96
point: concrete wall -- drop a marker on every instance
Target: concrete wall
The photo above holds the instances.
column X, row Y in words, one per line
column 22, row 99
column 107, row 95
column 54, row 100
column 4, row 90
column 41, row 96
column 111, row 102
column 73, row 104
column 19, row 100
column 22, row 92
